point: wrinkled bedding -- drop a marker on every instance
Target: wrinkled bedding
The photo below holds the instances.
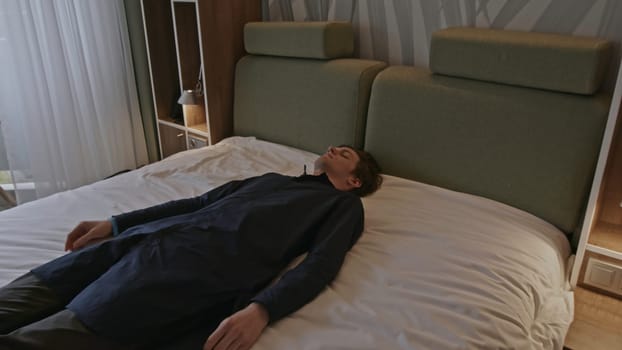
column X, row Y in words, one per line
column 434, row 269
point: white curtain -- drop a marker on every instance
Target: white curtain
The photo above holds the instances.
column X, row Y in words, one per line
column 69, row 110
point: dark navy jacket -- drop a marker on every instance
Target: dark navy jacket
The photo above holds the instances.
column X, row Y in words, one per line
column 175, row 260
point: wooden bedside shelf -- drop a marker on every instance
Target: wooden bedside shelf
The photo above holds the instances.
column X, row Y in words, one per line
column 601, row 231
column 171, row 121
column 608, row 236
column 194, row 44
column 200, row 128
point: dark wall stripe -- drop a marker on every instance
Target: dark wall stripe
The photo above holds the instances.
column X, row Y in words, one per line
column 403, row 15
column 563, row 16
column 378, row 26
column 508, row 12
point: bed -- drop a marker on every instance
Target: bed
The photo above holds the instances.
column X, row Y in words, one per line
column 486, row 169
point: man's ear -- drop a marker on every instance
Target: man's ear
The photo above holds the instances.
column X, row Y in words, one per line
column 354, row 182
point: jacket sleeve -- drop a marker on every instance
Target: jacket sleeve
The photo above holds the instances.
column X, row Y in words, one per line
column 124, row 221
column 303, row 283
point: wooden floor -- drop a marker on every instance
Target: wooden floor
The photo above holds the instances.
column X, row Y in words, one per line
column 597, row 324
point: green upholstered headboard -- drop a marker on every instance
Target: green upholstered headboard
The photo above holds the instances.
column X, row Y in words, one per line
column 295, row 87
column 531, row 148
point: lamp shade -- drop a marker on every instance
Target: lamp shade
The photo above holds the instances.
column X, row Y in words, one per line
column 189, row 97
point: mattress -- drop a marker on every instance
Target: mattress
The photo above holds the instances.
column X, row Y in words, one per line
column 434, row 269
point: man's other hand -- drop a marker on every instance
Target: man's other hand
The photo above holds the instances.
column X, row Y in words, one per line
column 240, row 330
column 87, row 231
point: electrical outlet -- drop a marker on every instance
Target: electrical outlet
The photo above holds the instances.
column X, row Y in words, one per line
column 604, row 275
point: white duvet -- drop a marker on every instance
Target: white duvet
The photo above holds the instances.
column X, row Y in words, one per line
column 434, row 269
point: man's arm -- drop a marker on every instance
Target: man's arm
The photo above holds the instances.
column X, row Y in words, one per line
column 239, row 331
column 90, row 231
column 298, row 286
column 124, row 221
column 303, row 283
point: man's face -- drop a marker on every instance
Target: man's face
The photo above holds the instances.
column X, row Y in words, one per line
column 338, row 163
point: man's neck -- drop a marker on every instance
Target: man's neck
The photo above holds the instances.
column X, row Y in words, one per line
column 318, row 172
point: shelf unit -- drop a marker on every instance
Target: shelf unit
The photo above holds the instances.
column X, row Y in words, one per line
column 598, row 263
column 188, row 41
column 187, row 34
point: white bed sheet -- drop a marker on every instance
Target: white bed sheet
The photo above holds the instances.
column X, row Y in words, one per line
column 434, row 269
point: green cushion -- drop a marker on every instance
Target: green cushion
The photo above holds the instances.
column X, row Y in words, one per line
column 321, row 40
column 308, row 104
column 522, row 58
column 533, row 149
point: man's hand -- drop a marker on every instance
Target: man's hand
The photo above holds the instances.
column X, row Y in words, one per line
column 87, row 231
column 240, row 330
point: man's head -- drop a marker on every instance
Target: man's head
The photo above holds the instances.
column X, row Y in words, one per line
column 350, row 169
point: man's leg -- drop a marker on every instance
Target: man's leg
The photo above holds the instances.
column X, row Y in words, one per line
column 60, row 331
column 24, row 301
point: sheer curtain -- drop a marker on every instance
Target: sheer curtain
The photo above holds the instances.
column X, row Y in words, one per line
column 69, row 110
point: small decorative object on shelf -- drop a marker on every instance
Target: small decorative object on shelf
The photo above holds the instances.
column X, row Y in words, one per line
column 193, row 96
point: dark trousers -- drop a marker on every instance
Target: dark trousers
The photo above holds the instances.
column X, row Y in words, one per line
column 32, row 318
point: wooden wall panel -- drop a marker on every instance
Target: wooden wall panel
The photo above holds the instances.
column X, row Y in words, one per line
column 222, row 24
column 610, row 210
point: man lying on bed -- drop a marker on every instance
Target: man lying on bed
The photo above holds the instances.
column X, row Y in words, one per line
column 184, row 264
